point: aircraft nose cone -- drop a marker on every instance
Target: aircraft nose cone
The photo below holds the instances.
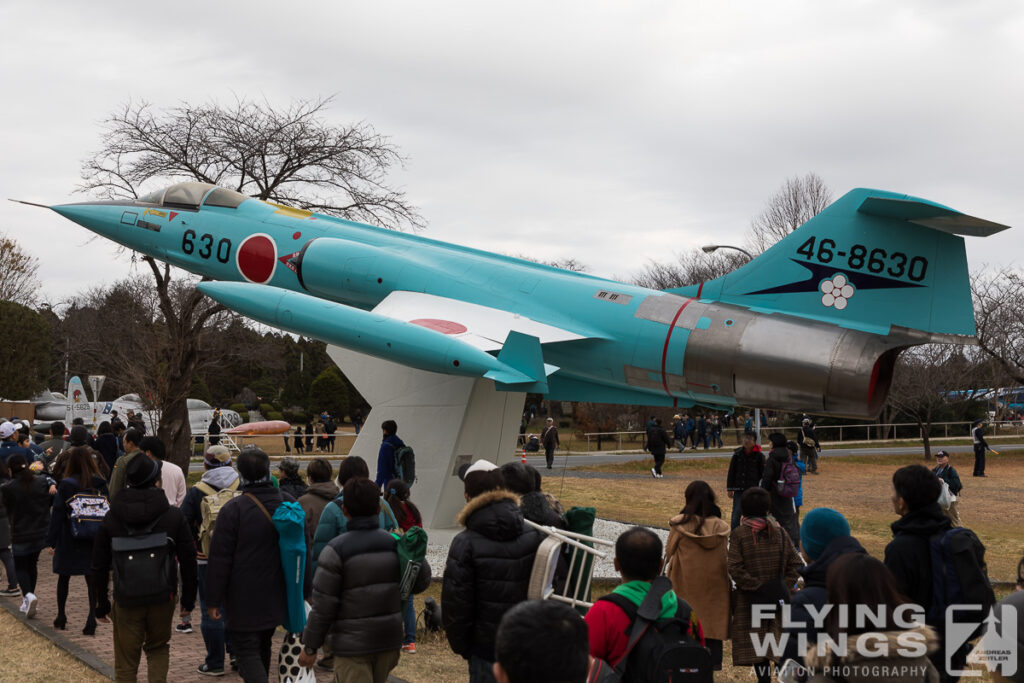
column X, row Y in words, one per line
column 103, row 219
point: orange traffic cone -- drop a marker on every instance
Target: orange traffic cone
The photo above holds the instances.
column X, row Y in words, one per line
column 524, row 455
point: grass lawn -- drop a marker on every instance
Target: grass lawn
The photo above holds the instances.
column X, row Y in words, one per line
column 28, row 657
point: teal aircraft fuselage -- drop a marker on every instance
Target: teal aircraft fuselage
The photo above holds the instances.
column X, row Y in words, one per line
column 814, row 324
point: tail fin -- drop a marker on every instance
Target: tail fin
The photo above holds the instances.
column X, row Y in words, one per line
column 872, row 261
column 78, row 402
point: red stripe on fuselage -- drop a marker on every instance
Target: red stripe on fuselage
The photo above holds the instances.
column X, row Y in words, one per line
column 668, row 338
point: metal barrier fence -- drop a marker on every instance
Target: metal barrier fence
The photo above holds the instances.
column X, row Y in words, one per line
column 875, row 431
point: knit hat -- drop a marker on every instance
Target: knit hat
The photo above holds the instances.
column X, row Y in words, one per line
column 819, row 528
column 778, row 440
column 79, row 435
column 217, row 456
column 142, row 471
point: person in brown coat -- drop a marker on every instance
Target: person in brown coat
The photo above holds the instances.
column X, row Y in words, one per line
column 759, row 551
column 696, row 555
column 321, row 491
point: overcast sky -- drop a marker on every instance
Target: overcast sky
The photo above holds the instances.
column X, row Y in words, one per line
column 612, row 133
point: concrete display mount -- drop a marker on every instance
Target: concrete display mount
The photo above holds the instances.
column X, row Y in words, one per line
column 446, row 419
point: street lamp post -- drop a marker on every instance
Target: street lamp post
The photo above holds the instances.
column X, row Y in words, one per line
column 712, row 248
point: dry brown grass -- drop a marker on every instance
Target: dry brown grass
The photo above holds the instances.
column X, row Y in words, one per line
column 28, row 657
column 858, row 486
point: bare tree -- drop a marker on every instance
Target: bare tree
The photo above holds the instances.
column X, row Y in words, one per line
column 19, row 273
column 689, row 268
column 127, row 331
column 563, row 263
column 291, row 156
column 795, row 203
column 999, row 318
column 933, row 380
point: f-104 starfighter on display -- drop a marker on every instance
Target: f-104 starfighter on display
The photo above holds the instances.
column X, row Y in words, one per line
column 814, row 324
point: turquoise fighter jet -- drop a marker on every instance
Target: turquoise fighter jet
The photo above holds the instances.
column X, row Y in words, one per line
column 813, row 324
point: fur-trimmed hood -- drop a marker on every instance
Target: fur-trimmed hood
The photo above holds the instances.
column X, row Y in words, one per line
column 876, row 641
column 495, row 514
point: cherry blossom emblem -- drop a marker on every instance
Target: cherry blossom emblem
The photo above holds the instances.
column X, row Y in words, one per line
column 836, row 292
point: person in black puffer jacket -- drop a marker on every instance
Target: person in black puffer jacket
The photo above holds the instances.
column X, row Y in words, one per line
column 356, row 602
column 27, row 498
column 745, row 471
column 488, row 568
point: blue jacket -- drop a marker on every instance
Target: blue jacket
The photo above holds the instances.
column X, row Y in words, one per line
column 333, row 523
column 386, row 459
column 691, row 424
column 802, row 466
column 9, row 448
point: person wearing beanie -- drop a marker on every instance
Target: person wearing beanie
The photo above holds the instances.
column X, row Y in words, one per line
column 218, row 475
column 825, row 536
column 783, row 508
column 143, row 624
column 245, row 583
column 493, row 556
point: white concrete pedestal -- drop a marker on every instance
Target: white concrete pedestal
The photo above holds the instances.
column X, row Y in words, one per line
column 446, row 420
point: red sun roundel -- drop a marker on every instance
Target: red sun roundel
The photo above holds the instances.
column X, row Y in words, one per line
column 257, row 258
column 443, row 326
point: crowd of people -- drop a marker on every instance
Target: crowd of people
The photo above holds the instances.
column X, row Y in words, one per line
column 113, row 504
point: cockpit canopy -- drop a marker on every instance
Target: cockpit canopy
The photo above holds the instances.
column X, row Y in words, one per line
column 190, row 195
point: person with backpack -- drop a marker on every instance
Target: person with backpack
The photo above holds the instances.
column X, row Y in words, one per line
column 145, row 541
column 810, row 447
column 408, row 516
column 27, row 498
column 763, row 564
column 245, row 581
column 541, row 641
column 658, row 442
column 948, row 474
column 882, row 648
column 696, row 557
column 386, row 456
column 202, row 506
column 781, row 479
column 78, row 508
column 746, row 469
column 613, row 619
column 357, row 599
column 923, row 533
column 488, row 567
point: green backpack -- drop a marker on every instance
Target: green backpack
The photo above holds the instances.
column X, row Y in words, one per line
column 412, row 550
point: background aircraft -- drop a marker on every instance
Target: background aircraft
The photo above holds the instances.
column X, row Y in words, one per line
column 814, row 324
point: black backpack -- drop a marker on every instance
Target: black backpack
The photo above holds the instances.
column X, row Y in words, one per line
column 144, row 566
column 959, row 578
column 405, row 464
column 659, row 650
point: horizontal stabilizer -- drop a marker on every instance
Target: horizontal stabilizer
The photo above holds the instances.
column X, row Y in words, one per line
column 522, row 352
column 930, row 215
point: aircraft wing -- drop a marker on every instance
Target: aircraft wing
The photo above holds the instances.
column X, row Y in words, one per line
column 481, row 326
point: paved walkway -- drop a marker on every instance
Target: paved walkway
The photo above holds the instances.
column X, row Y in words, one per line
column 187, row 650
